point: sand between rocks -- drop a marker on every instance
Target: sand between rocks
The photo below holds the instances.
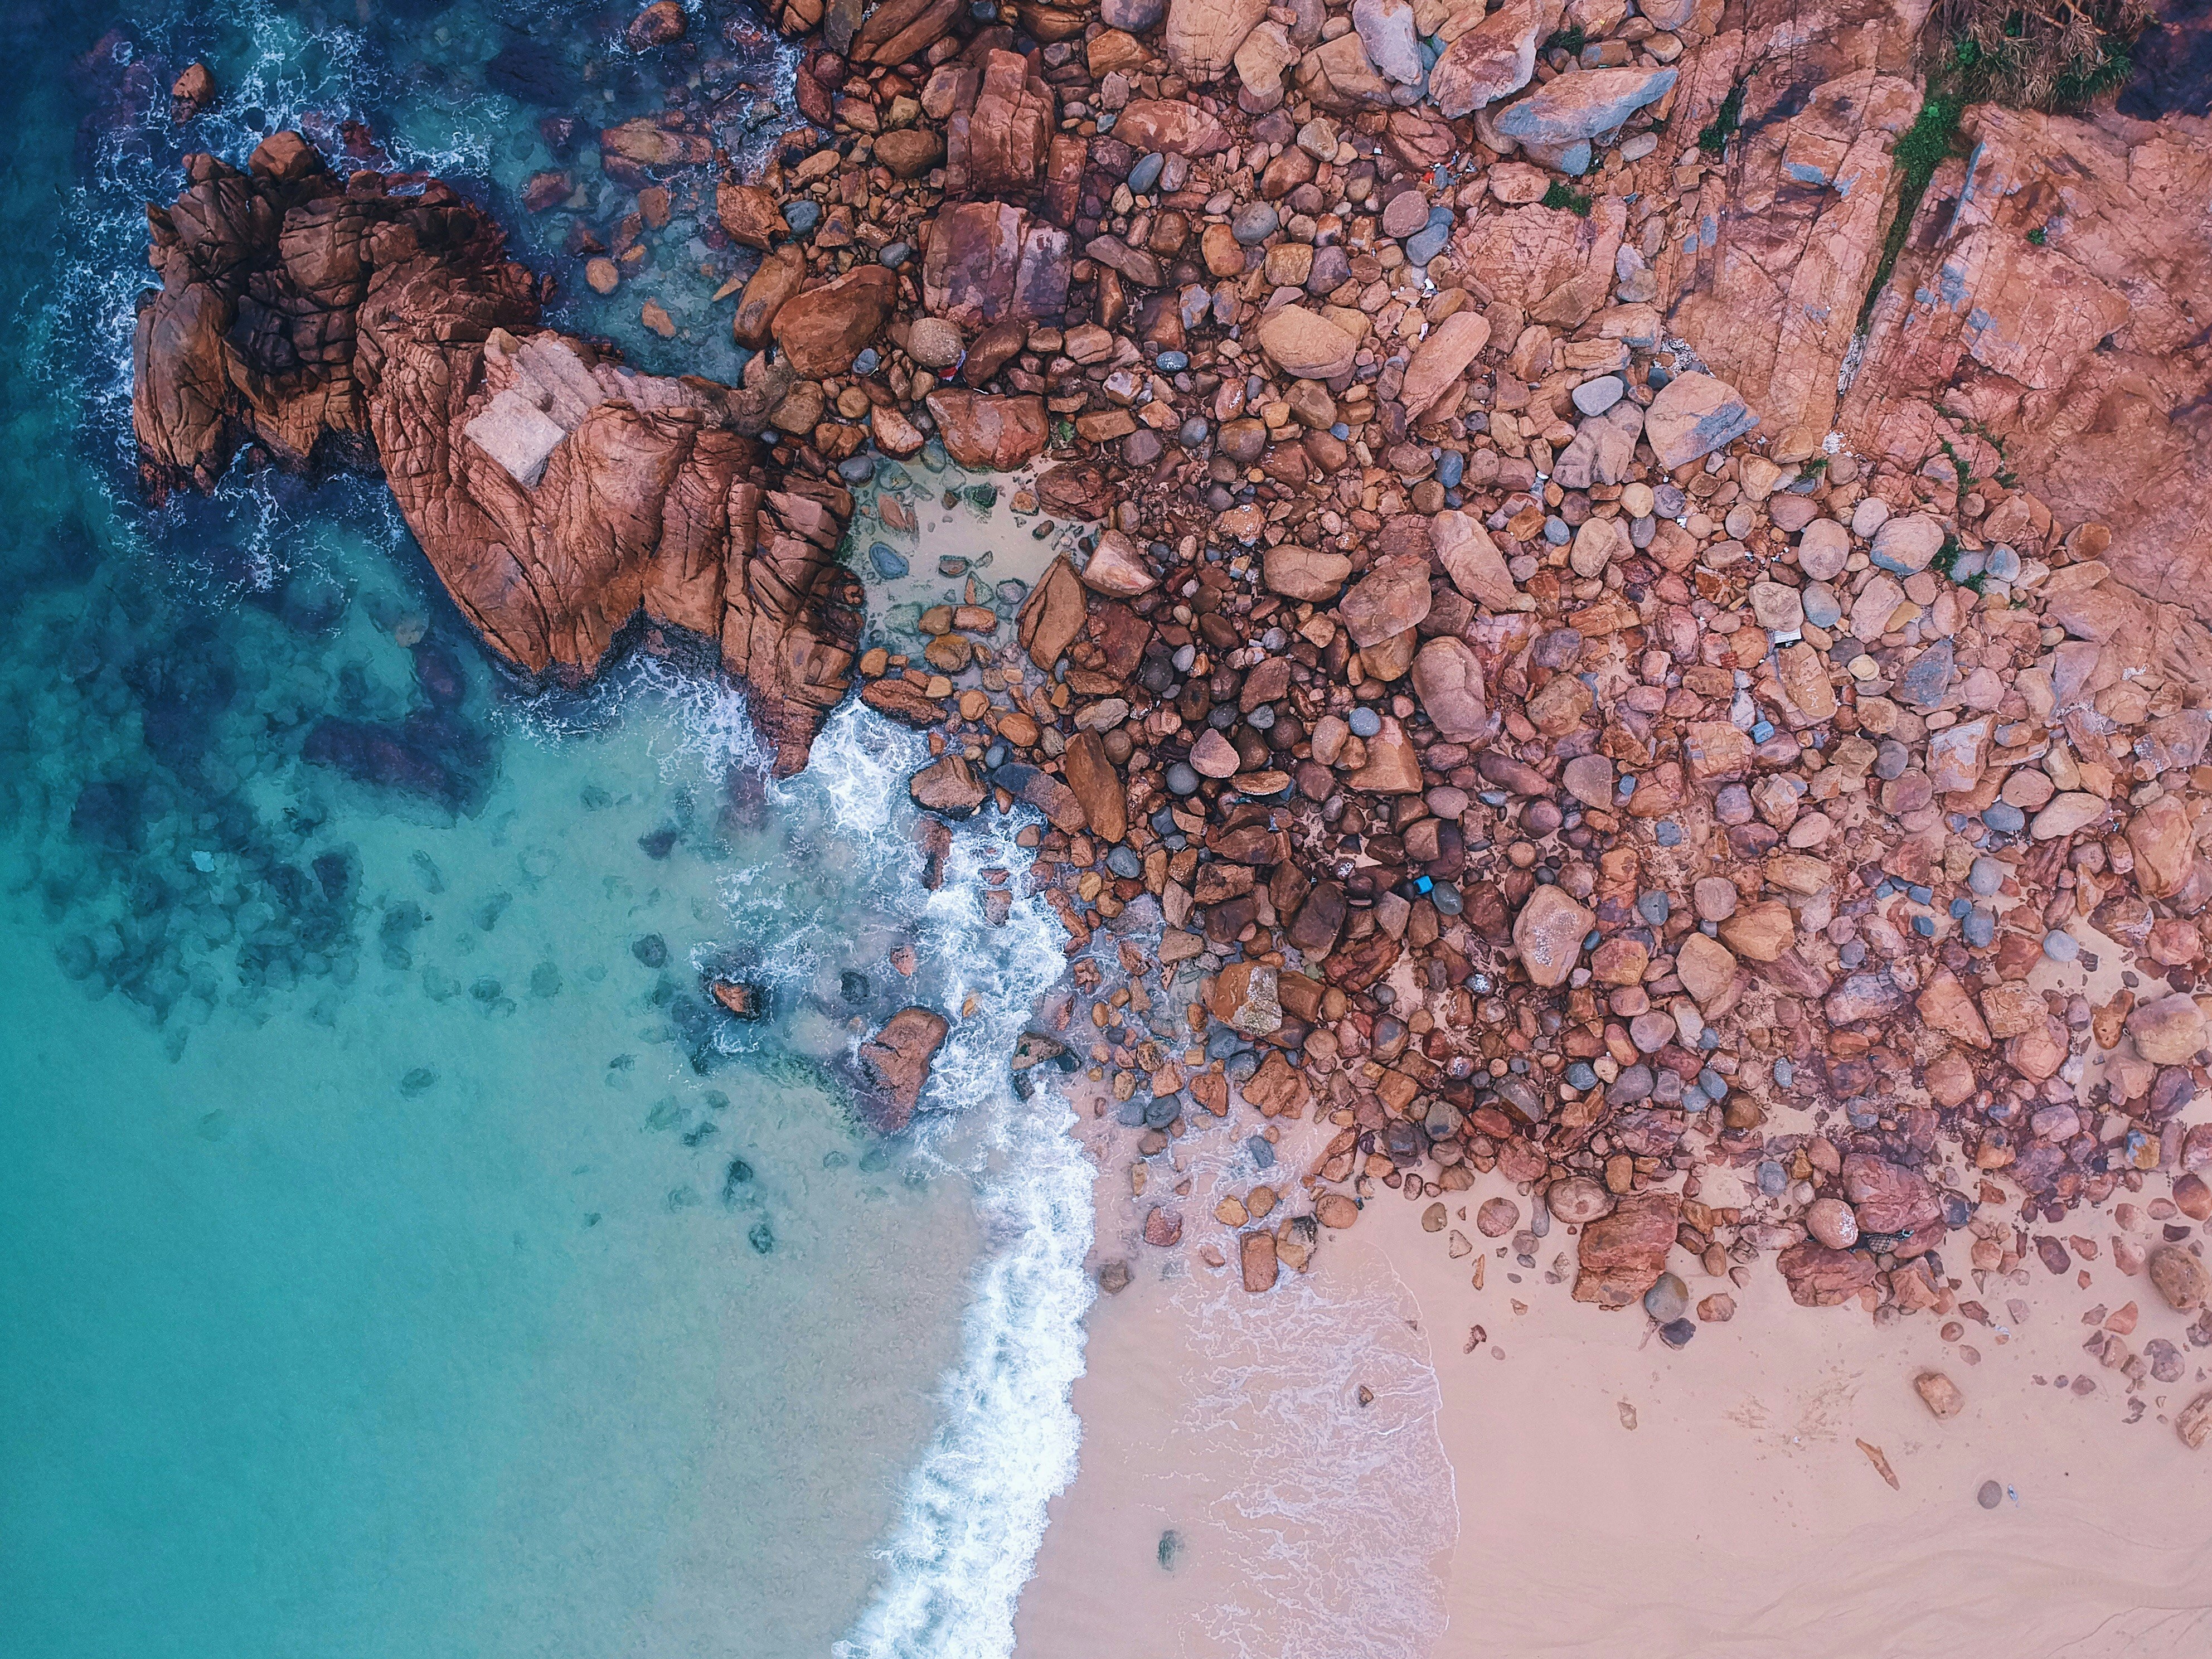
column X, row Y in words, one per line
column 1738, row 1516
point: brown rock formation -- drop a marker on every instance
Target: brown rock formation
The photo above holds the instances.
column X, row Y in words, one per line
column 556, row 493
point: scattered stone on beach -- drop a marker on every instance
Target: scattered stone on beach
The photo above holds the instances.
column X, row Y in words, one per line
column 1990, row 1495
column 2193, row 1423
column 2180, row 1277
column 1939, row 1394
column 1256, row 1253
column 1881, row 1462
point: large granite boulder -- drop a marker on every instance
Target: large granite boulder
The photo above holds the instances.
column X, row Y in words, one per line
column 556, row 492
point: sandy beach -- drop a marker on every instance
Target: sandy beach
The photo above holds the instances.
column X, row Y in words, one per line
column 1565, row 1484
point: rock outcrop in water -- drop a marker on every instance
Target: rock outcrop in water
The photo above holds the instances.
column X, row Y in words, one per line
column 377, row 321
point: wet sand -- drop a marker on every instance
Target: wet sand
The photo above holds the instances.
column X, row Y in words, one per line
column 1494, row 1499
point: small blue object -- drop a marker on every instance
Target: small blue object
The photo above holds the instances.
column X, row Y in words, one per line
column 1652, row 906
column 1980, row 929
column 1627, row 788
column 1592, row 941
column 1174, row 362
column 1773, row 1179
column 1581, row 1075
column 1714, row 1084
column 895, row 254
column 802, row 217
column 1924, row 926
column 1262, row 1150
column 1668, row 834
column 889, row 565
column 1452, row 467
column 1920, row 895
column 2061, row 946
column 1146, row 173
column 1784, row 1073
column 1884, row 888
column 856, row 469
column 1761, row 731
column 1341, row 433
column 2004, row 817
column 1423, row 884
column 1124, row 862
column 1557, row 531
column 1365, row 722
column 867, row 361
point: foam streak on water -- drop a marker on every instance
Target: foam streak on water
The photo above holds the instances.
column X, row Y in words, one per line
column 1338, row 1510
column 974, row 1513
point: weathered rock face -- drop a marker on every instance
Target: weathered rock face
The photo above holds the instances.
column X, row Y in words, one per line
column 1770, row 296
column 555, row 493
column 1557, row 266
column 2080, row 351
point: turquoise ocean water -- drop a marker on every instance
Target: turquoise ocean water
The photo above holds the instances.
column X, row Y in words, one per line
column 403, row 1256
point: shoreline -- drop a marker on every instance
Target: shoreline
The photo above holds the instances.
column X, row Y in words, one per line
column 1737, row 1515
column 1750, row 854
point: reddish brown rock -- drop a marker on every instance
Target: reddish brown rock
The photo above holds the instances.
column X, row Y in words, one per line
column 1887, row 1198
column 894, row 1066
column 1390, row 600
column 555, row 493
column 2180, row 1278
column 1097, row 785
column 949, row 786
column 1548, row 934
column 1620, row 1255
column 1001, row 145
column 990, row 432
column 1052, row 617
column 193, row 92
column 1819, row 1277
column 1256, row 1260
column 660, row 24
column 1115, row 567
column 822, row 329
column 988, row 260
column 1178, row 128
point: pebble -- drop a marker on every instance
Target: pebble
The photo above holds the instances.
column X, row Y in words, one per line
column 1595, row 397
column 1667, row 1299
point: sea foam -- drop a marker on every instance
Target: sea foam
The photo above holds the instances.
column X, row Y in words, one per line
column 975, row 1509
